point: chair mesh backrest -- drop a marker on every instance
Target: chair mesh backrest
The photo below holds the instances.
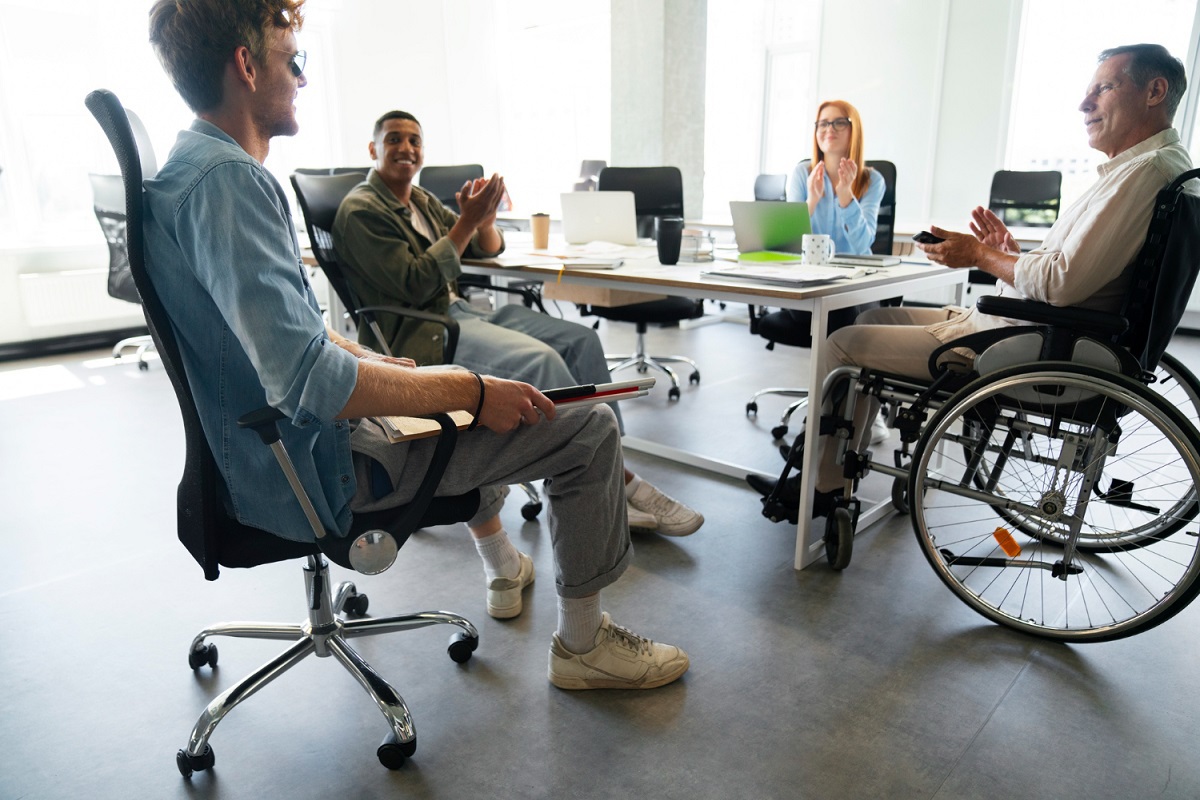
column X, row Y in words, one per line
column 108, row 201
column 444, row 182
column 198, row 489
column 1164, row 272
column 1026, row 198
column 319, row 196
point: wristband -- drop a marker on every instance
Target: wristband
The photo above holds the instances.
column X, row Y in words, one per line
column 479, row 407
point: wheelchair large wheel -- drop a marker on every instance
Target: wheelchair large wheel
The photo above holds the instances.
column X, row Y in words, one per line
column 1041, row 440
column 1176, row 384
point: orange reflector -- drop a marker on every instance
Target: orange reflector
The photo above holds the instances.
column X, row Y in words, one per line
column 1007, row 543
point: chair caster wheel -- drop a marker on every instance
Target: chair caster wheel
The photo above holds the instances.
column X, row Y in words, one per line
column 673, row 394
column 779, row 431
column 751, row 409
column 143, row 366
column 356, row 605
column 205, row 654
column 694, row 378
column 461, row 647
column 392, row 753
column 839, row 538
column 530, row 510
column 189, row 764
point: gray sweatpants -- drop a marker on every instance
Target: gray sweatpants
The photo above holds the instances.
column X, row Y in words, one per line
column 578, row 454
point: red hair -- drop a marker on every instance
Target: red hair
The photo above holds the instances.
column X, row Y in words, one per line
column 855, row 154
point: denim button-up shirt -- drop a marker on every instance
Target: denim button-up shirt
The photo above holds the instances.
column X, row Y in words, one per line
column 223, row 256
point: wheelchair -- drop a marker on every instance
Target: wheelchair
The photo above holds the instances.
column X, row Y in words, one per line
column 1053, row 486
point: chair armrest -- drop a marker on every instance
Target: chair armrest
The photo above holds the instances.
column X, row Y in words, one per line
column 449, row 347
column 1101, row 323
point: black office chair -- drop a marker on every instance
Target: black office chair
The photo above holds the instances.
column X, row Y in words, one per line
column 1026, row 199
column 108, row 202
column 657, row 191
column 319, row 195
column 215, row 539
column 360, row 171
column 770, row 187
column 444, row 182
column 794, row 328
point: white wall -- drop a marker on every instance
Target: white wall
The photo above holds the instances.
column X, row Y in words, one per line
column 931, row 81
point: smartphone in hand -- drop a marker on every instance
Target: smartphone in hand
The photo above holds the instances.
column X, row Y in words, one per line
column 925, row 237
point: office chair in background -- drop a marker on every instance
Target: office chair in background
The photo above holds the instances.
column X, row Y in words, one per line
column 657, row 191
column 215, row 539
column 589, row 175
column 319, row 195
column 1024, row 199
column 770, row 187
column 794, row 328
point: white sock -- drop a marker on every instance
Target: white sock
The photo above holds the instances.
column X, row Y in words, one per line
column 500, row 558
column 632, row 486
column 578, row 622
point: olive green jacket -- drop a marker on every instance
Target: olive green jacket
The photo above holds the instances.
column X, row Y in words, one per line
column 387, row 262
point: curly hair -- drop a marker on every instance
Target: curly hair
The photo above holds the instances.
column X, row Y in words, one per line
column 194, row 39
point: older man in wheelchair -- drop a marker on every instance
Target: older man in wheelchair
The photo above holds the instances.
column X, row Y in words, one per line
column 1051, row 483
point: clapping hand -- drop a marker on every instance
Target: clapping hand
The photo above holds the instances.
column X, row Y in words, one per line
column 991, row 230
column 844, row 188
column 479, row 200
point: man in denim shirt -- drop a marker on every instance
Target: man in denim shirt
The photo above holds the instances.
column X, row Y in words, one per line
column 223, row 256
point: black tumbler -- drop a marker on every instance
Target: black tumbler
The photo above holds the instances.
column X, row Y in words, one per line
column 668, row 231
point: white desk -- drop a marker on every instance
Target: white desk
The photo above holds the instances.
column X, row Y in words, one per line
column 685, row 280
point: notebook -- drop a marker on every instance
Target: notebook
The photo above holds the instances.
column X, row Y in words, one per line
column 769, row 225
column 599, row 217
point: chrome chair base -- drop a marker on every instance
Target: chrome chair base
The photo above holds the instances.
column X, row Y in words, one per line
column 780, row 430
column 323, row 634
column 642, row 361
column 139, row 344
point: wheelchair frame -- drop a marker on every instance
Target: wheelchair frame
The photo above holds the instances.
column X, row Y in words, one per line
column 1088, row 478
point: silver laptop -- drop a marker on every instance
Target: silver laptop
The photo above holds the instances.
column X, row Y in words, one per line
column 769, row 225
column 599, row 217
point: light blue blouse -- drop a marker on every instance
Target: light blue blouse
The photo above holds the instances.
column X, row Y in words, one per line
column 852, row 227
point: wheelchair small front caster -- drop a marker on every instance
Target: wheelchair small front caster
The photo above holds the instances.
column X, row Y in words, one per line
column 839, row 538
column 189, row 764
column 392, row 752
column 530, row 510
column 462, row 645
column 357, row 605
column 205, row 654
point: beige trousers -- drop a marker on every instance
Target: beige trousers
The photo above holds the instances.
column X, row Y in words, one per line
column 893, row 339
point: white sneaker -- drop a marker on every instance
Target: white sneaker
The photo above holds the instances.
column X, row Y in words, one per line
column 880, row 432
column 504, row 594
column 639, row 520
column 620, row 660
column 673, row 517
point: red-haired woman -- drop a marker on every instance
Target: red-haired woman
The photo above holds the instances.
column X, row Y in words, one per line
column 843, row 195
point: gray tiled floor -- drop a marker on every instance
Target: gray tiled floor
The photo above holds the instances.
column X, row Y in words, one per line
column 873, row 682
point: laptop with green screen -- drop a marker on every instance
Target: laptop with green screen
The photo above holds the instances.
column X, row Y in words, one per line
column 769, row 225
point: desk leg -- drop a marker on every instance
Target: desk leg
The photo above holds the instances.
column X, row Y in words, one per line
column 810, row 543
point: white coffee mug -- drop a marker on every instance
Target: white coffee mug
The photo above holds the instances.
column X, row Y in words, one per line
column 818, row 249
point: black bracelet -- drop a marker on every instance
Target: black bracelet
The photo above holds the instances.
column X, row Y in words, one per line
column 478, row 408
